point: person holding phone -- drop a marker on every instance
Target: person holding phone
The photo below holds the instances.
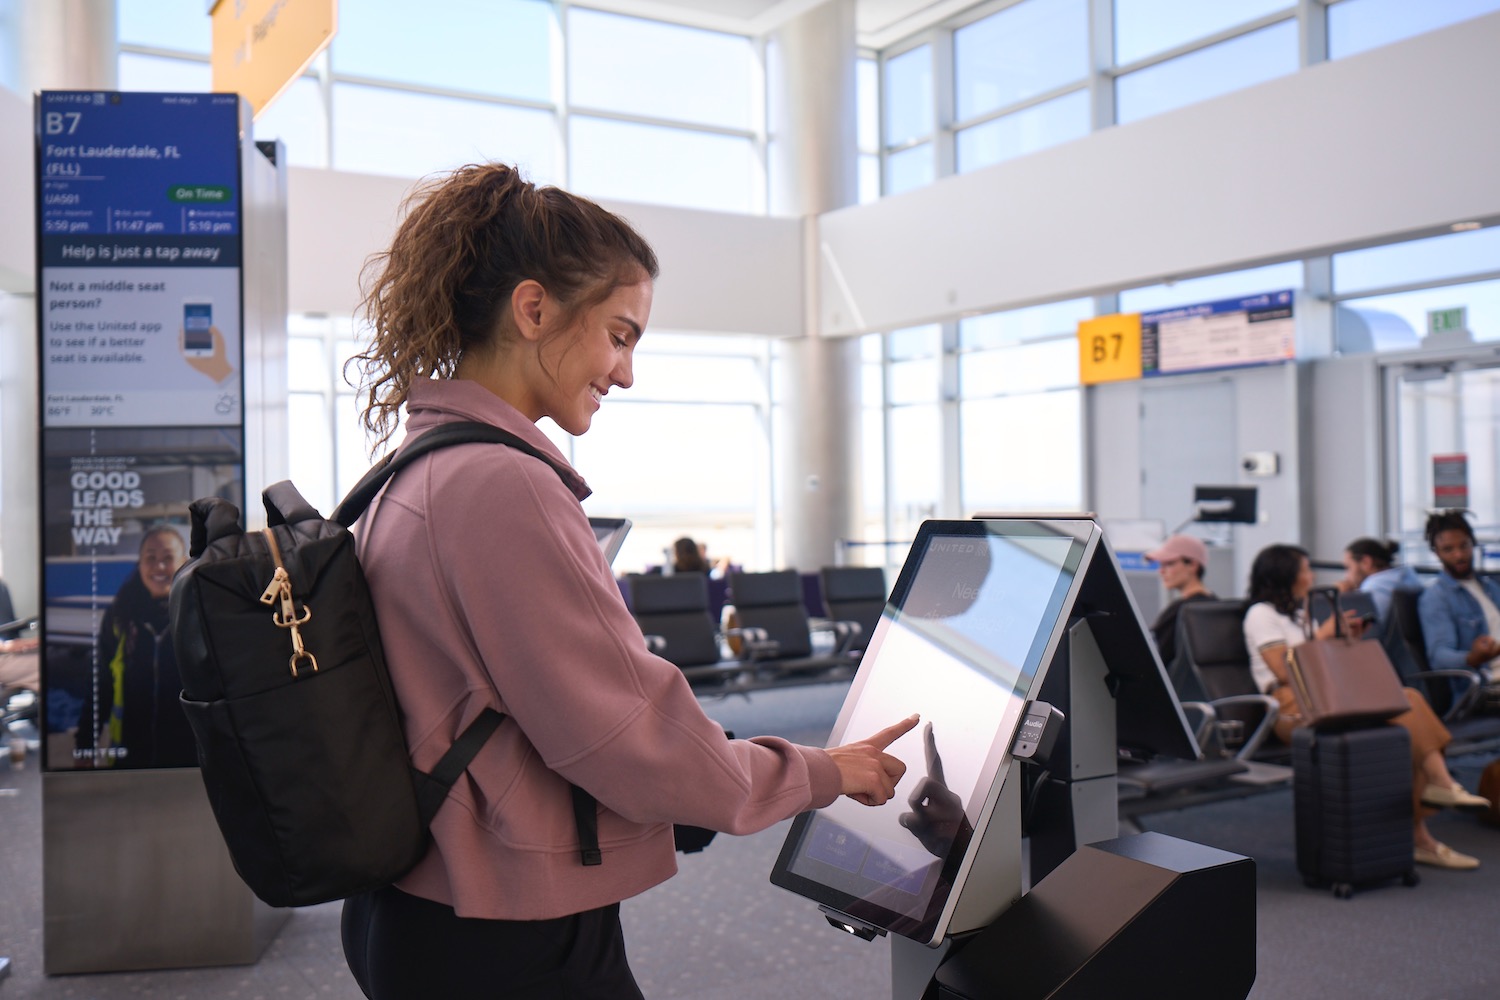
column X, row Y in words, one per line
column 506, row 303
column 1370, row 566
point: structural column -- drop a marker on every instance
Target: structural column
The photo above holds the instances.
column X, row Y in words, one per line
column 813, row 168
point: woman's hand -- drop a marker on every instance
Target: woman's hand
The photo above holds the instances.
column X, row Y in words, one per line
column 1354, row 626
column 868, row 774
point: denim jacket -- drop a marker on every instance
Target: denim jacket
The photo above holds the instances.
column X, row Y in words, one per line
column 1452, row 620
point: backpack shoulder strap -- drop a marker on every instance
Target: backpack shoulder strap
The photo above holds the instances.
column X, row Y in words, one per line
column 464, row 432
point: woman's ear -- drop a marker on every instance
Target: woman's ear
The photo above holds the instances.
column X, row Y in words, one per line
column 527, row 305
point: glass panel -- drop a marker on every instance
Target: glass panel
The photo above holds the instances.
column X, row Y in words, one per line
column 633, row 66
column 165, row 24
column 686, row 378
column 10, row 69
column 310, row 449
column 869, row 179
column 1232, row 65
column 909, row 169
column 1051, row 364
column 168, row 76
column 1357, row 25
column 306, row 364
column 867, row 103
column 297, row 119
column 1022, row 453
column 1020, row 325
column 1024, row 132
column 352, row 443
column 1146, row 27
column 382, row 131
column 1398, row 322
column 908, row 96
column 916, row 342
column 1417, row 260
column 501, row 47
column 665, row 166
column 1020, row 52
column 915, row 381
column 871, row 527
column 1213, row 287
column 916, row 449
column 1453, row 415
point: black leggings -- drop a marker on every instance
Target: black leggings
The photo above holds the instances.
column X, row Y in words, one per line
column 402, row 947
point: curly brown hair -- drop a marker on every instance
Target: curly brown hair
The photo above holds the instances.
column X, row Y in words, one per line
column 468, row 239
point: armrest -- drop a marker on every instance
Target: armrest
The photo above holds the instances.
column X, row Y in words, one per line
column 656, row 644
column 1207, row 717
column 1258, row 735
column 1467, row 697
column 844, row 634
column 755, row 643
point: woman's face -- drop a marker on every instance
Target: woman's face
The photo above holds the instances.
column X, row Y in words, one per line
column 161, row 555
column 1304, row 582
column 590, row 359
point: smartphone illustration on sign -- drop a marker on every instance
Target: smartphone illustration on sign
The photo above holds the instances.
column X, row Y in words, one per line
column 197, row 329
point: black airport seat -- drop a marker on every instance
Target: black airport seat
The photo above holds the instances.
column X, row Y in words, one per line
column 776, row 628
column 672, row 611
column 1214, row 665
column 856, row 594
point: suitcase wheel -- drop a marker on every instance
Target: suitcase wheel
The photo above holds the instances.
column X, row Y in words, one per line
column 1410, row 877
column 1342, row 890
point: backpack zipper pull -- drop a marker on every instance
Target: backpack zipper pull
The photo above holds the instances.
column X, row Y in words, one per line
column 286, row 617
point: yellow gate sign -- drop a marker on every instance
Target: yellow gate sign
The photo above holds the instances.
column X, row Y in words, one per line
column 260, row 47
column 1109, row 348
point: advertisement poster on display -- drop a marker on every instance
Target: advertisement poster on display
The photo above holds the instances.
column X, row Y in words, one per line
column 1229, row 333
column 139, row 319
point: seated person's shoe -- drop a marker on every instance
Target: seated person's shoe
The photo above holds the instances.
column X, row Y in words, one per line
column 1456, row 797
column 1443, row 856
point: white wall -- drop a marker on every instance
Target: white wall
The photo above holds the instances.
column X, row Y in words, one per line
column 1396, row 142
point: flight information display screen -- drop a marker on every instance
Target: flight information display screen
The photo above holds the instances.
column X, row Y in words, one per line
column 977, row 607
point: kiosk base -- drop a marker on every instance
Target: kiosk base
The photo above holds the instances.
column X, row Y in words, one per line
column 1143, row 916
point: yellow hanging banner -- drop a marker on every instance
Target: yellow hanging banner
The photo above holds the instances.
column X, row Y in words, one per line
column 1109, row 348
column 260, row 47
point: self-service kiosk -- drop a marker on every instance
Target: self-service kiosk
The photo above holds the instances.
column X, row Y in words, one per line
column 1018, row 642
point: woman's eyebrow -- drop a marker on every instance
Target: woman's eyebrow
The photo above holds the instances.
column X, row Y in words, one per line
column 635, row 328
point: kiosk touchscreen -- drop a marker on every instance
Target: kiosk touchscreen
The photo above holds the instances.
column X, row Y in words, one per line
column 610, row 533
column 979, row 607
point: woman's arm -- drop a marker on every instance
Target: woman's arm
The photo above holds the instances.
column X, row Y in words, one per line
column 1275, row 657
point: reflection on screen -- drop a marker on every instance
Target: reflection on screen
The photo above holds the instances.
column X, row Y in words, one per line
column 961, row 645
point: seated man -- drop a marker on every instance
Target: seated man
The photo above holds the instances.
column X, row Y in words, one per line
column 1461, row 611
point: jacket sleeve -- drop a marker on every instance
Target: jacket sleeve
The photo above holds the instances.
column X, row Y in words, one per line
column 1440, row 632
column 547, row 619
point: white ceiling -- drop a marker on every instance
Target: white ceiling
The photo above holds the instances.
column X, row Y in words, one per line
column 877, row 22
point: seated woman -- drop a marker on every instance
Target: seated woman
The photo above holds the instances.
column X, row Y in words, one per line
column 1280, row 580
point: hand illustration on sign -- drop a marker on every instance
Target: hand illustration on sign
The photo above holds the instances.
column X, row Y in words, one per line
column 215, row 362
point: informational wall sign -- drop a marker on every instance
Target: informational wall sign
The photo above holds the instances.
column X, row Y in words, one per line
column 1450, row 480
column 1109, row 348
column 139, row 319
column 1229, row 333
column 260, row 47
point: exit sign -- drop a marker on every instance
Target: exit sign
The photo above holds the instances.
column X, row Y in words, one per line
column 1454, row 320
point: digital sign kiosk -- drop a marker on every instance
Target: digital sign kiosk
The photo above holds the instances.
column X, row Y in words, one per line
column 983, row 611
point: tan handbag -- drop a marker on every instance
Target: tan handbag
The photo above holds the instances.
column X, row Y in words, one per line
column 1342, row 682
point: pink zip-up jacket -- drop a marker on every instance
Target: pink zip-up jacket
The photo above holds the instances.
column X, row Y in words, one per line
column 491, row 590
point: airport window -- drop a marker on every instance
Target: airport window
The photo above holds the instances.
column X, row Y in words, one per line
column 1398, row 321
column 867, row 128
column 1357, row 25
column 1418, row 261
column 10, row 70
column 299, row 120
column 1144, row 28
column 908, row 97
column 637, row 162
column 871, row 528
column 1211, row 288
column 1232, row 65
column 915, row 486
column 494, row 47
column 1022, row 326
column 1025, row 131
column 1022, row 452
column 143, row 72
column 911, row 168
column 383, row 131
column 632, row 66
column 1019, row 53
column 179, row 25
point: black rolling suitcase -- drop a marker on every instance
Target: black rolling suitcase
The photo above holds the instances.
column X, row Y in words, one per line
column 1352, row 798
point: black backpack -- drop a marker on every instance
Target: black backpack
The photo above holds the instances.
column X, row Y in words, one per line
column 285, row 686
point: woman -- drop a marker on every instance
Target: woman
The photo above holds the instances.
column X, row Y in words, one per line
column 1180, row 562
column 506, row 303
column 1370, row 566
column 1280, row 579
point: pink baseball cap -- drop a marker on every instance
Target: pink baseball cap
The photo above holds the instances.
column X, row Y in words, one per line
column 1180, row 547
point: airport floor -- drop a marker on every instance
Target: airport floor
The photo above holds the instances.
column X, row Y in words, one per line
column 721, row 931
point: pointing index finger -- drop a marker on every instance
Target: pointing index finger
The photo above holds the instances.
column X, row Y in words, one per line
column 891, row 734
